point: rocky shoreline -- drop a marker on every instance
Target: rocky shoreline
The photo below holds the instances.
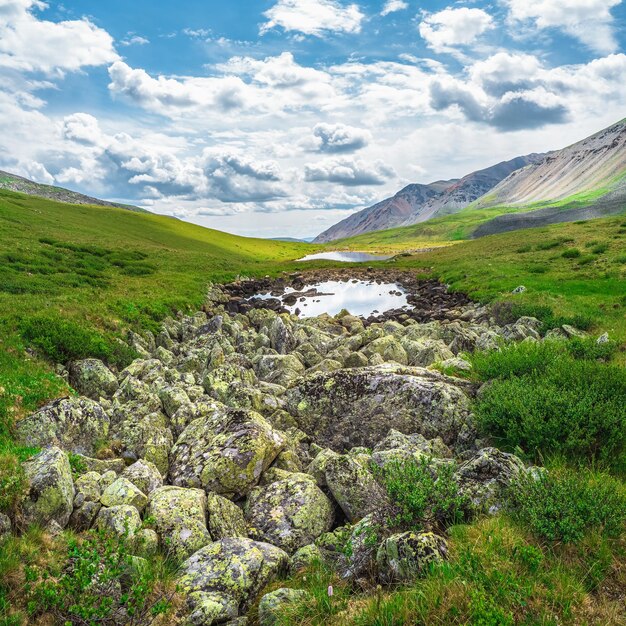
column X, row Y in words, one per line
column 247, row 442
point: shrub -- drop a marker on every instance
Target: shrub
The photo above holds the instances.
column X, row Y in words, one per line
column 600, row 248
column 571, row 253
column 63, row 340
column 509, row 312
column 566, row 505
column 586, row 260
column 98, row 583
column 544, row 400
column 590, row 349
column 424, row 495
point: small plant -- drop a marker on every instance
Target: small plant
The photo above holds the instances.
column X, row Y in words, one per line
column 98, row 583
column 590, row 349
column 571, row 253
column 425, row 495
column 565, row 505
column 600, row 248
column 13, row 482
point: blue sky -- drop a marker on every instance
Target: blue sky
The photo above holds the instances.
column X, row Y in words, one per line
column 280, row 117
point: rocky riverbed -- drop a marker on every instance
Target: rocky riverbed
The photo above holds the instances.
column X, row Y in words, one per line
column 250, row 439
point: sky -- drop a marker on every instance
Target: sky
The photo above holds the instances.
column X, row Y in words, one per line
column 281, row 117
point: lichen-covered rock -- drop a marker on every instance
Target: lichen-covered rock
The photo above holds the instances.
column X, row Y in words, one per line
column 484, row 477
column 305, row 556
column 233, row 568
column 88, row 464
column 281, row 369
column 357, row 407
column 274, row 606
column 73, row 424
column 107, row 479
column 403, row 557
column 50, row 497
column 147, row 438
column 146, row 543
column 172, row 399
column 354, row 488
column 225, row 453
column 327, row 365
column 333, row 545
column 83, row 515
column 92, row 378
column 289, row 513
column 180, row 519
column 389, row 348
column 187, row 413
column 398, row 447
column 425, row 352
column 122, row 491
column 144, row 475
column 356, row 359
column 88, row 486
column 224, row 518
column 122, row 520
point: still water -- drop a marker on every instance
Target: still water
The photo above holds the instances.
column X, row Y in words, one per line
column 360, row 297
column 345, row 257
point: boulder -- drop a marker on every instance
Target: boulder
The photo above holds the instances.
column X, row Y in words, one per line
column 281, row 369
column 230, row 572
column 357, row 407
column 485, row 475
column 73, row 424
column 144, row 475
column 179, row 519
column 225, row 453
column 83, row 515
column 50, row 497
column 225, row 518
column 147, row 438
column 404, row 557
column 122, row 491
column 289, row 513
column 305, row 556
column 389, row 348
column 274, row 606
column 353, row 487
column 122, row 520
column 92, row 378
column 425, row 352
column 88, row 487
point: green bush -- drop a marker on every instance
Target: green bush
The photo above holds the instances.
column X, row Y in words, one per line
column 590, row 349
column 586, row 260
column 571, row 253
column 509, row 312
column 97, row 583
column 600, row 248
column 565, row 505
column 62, row 340
column 425, row 495
column 543, row 400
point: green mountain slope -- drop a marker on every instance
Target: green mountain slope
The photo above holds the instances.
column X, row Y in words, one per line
column 105, row 263
column 12, row 182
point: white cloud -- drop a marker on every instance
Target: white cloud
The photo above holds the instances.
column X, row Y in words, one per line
column 314, row 17
column 28, row 44
column 171, row 95
column 391, row 6
column 134, row 40
column 589, row 21
column 349, row 172
column 454, row 27
column 336, row 138
column 82, row 128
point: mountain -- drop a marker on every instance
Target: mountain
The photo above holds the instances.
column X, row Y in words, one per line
column 583, row 181
column 418, row 203
column 12, row 182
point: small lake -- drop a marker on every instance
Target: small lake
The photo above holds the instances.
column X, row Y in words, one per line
column 345, row 257
column 362, row 298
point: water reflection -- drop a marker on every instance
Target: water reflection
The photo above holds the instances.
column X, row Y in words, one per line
column 357, row 296
column 345, row 257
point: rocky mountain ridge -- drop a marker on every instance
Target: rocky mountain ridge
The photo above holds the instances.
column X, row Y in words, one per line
column 13, row 182
column 419, row 203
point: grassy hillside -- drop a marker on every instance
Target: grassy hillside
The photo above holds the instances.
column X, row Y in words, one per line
column 73, row 277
